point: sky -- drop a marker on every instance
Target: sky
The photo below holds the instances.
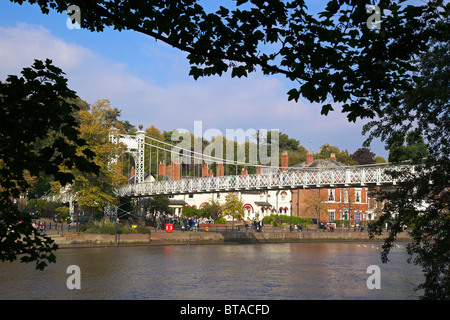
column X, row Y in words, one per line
column 149, row 82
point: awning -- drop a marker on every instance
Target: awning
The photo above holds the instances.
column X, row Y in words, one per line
column 263, row 204
column 174, row 202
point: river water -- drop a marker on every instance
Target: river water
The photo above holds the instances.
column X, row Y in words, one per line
column 288, row 271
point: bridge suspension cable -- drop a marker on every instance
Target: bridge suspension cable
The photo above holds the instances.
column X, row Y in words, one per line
column 202, row 156
column 137, row 144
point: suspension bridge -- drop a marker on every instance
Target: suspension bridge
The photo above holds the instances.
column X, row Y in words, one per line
column 145, row 184
column 271, row 178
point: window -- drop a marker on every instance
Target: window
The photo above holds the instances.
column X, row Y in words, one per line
column 345, row 195
column 357, row 195
column 331, row 216
column 191, row 196
column 218, row 195
column 283, row 196
column 331, row 195
column 357, row 217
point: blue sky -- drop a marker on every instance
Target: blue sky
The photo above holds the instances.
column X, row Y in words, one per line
column 149, row 82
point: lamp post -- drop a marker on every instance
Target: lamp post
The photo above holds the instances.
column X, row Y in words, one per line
column 290, row 214
column 115, row 237
column 318, row 211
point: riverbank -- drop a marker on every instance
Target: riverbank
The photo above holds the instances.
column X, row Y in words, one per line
column 160, row 237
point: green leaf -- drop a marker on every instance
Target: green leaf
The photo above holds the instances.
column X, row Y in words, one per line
column 293, row 94
column 326, row 108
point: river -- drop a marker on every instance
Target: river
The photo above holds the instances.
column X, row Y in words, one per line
column 288, row 271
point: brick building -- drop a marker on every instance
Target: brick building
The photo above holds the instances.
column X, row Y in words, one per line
column 354, row 204
column 328, row 205
column 257, row 204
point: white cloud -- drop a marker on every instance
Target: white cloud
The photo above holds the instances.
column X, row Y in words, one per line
column 21, row 45
column 256, row 102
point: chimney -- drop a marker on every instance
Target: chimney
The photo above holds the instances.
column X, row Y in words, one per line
column 244, row 171
column 220, row 170
column 333, row 157
column 284, row 161
column 205, row 170
column 176, row 170
column 309, row 157
column 162, row 169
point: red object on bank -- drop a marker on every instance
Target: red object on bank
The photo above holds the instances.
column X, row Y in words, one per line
column 169, row 227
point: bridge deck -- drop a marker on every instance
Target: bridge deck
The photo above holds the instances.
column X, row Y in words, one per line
column 292, row 179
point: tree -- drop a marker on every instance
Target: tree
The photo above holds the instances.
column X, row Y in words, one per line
column 157, row 204
column 415, row 148
column 341, row 156
column 212, row 209
column 298, row 156
column 94, row 192
column 190, row 211
column 296, row 152
column 332, row 55
column 315, row 204
column 39, row 134
column 380, row 159
column 421, row 200
column 363, row 156
column 284, row 142
column 233, row 206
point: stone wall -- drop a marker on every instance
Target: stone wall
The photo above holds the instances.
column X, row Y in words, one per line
column 179, row 237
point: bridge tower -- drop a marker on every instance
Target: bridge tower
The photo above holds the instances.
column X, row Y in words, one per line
column 140, row 156
column 113, row 137
column 135, row 146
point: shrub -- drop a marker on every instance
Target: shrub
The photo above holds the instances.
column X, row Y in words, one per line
column 46, row 209
column 278, row 219
column 221, row 221
column 142, row 229
column 105, row 227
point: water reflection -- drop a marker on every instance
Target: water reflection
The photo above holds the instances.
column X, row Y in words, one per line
column 268, row 271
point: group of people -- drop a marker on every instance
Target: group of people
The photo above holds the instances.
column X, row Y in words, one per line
column 39, row 226
column 188, row 224
column 257, row 225
column 185, row 223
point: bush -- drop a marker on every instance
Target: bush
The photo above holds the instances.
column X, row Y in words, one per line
column 221, row 221
column 46, row 209
column 62, row 212
column 142, row 229
column 341, row 223
column 278, row 219
column 105, row 226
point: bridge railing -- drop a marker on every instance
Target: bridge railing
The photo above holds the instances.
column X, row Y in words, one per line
column 291, row 179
